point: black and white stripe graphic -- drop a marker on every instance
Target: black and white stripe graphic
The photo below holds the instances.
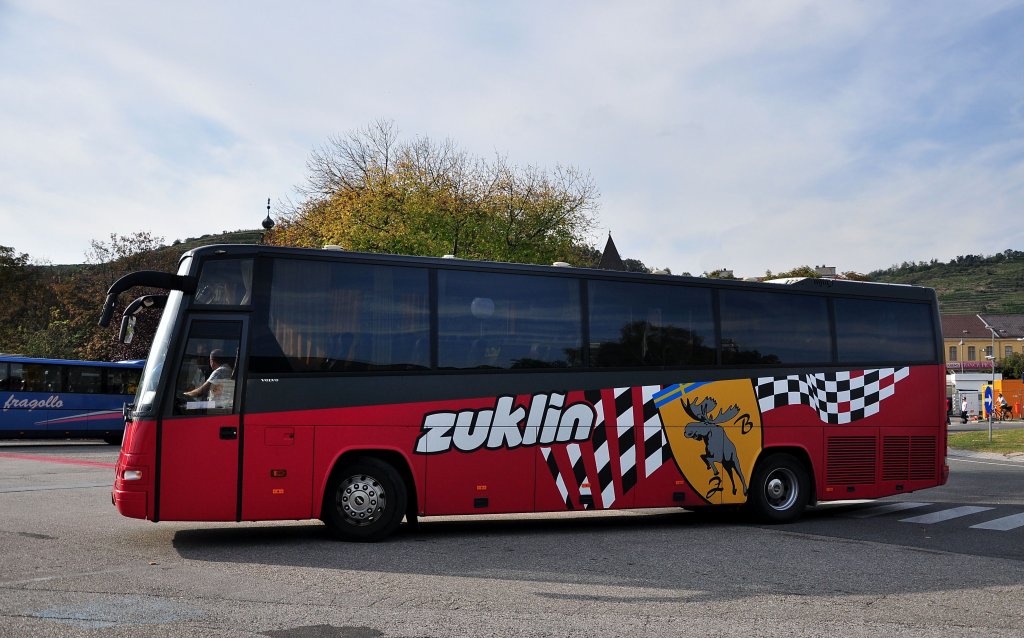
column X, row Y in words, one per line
column 626, row 434
column 552, row 464
column 656, row 448
column 602, row 450
column 579, row 471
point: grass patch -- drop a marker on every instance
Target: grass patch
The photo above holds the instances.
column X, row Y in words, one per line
column 1003, row 441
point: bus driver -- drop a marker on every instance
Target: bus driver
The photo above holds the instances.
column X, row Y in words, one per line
column 216, row 387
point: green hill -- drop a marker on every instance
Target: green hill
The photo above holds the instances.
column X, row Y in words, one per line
column 969, row 284
column 234, row 237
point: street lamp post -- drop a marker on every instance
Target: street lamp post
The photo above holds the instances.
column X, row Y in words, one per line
column 961, row 353
column 992, row 386
column 1020, row 395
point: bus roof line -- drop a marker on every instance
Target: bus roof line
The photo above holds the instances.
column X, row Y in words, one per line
column 151, row 278
column 803, row 284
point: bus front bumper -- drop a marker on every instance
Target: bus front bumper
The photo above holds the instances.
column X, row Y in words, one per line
column 131, row 504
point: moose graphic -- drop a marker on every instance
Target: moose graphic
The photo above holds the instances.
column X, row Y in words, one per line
column 718, row 448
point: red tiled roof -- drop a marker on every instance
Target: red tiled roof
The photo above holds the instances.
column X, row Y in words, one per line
column 963, row 327
column 971, row 327
column 1008, row 326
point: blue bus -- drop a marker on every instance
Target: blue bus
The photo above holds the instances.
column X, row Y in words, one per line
column 60, row 398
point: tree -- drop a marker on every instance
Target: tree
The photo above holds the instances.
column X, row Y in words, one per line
column 371, row 192
column 27, row 300
column 110, row 260
column 799, row 271
column 635, row 265
column 69, row 299
column 1012, row 366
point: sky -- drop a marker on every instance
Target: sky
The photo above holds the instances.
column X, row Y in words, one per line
column 750, row 135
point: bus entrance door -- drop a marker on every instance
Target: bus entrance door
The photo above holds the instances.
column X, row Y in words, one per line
column 199, row 450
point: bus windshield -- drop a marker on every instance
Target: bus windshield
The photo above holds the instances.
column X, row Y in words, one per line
column 147, row 393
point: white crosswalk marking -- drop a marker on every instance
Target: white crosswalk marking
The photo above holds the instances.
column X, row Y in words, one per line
column 887, row 508
column 1003, row 524
column 945, row 515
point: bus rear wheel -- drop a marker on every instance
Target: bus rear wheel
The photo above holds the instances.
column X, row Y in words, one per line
column 780, row 490
column 365, row 500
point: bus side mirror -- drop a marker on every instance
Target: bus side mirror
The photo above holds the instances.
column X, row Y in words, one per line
column 127, row 332
column 128, row 320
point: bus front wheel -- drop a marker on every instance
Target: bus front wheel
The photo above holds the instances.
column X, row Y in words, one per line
column 780, row 490
column 365, row 500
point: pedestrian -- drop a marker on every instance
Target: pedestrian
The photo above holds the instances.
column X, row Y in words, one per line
column 963, row 409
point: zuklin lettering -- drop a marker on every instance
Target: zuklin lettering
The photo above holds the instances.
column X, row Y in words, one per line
column 54, row 401
column 507, row 426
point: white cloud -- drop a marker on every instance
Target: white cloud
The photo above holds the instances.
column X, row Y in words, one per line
column 749, row 135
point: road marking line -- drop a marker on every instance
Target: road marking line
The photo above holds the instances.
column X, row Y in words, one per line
column 886, row 509
column 945, row 515
column 1000, row 464
column 1003, row 524
column 43, row 488
column 55, row 459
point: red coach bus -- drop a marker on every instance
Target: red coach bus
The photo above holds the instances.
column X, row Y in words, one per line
column 362, row 389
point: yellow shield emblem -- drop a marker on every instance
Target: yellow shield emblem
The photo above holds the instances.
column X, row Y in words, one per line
column 714, row 430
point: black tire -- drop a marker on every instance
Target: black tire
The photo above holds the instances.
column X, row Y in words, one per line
column 365, row 500
column 780, row 490
column 113, row 439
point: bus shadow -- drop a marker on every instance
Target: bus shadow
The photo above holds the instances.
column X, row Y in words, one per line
column 714, row 554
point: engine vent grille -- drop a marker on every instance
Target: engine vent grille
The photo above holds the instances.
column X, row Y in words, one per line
column 909, row 458
column 851, row 460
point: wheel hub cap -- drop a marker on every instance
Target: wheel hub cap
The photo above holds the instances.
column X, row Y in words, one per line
column 362, row 499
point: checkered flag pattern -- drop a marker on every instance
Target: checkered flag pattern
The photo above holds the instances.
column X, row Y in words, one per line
column 656, row 448
column 837, row 397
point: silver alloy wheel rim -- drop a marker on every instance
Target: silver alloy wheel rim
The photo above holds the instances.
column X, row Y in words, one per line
column 361, row 499
column 781, row 489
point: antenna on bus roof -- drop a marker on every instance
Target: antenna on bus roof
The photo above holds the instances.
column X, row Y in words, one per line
column 333, row 247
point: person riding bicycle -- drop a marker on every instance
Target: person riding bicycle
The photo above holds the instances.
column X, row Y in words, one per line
column 1004, row 408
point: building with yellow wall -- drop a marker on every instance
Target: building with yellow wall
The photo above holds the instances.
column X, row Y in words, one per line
column 969, row 340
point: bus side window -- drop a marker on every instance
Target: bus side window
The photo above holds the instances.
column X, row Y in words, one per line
column 205, row 382
column 85, row 380
column 42, row 377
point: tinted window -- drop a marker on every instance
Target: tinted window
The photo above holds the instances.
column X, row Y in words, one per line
column 5, row 377
column 868, row 331
column 337, row 317
column 122, row 380
column 206, row 379
column 38, row 377
column 774, row 328
column 489, row 320
column 650, row 325
column 16, row 377
column 226, row 282
column 85, row 379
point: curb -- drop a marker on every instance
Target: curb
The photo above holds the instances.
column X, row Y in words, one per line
column 1014, row 457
